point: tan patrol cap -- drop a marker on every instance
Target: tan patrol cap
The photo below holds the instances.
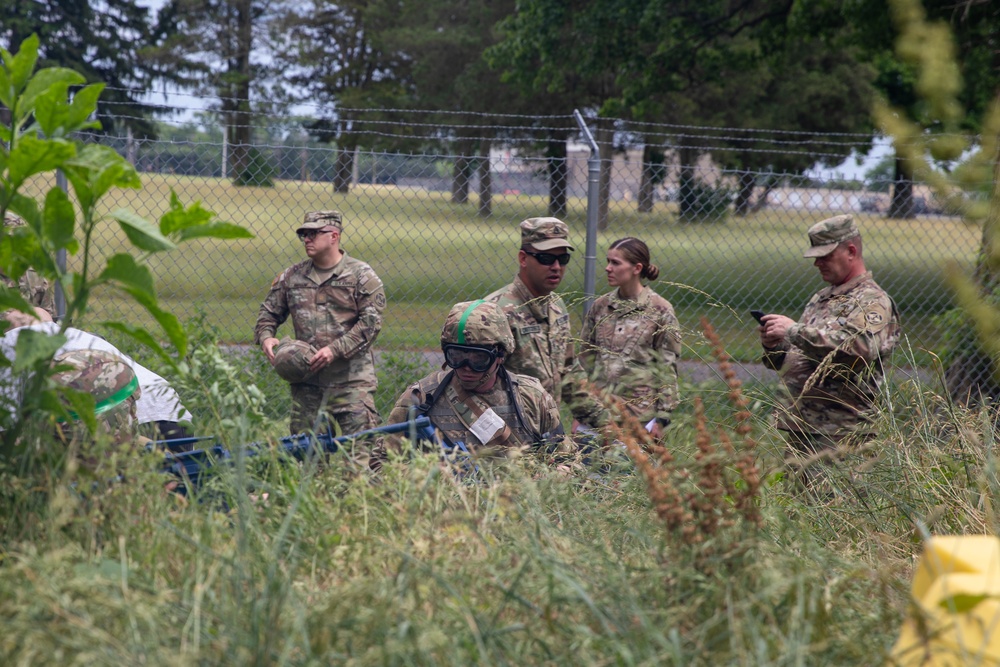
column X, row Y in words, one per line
column 545, row 234
column 826, row 235
column 322, row 220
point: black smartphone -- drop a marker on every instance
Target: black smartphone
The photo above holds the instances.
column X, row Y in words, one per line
column 757, row 314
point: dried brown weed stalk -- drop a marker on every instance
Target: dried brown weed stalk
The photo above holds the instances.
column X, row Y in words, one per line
column 720, row 487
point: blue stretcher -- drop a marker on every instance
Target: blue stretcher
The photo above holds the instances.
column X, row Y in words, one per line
column 192, row 467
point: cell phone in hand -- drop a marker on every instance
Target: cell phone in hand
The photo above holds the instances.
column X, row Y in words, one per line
column 757, row 315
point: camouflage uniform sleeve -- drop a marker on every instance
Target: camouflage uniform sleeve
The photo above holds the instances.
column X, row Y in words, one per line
column 273, row 311
column 587, row 340
column 667, row 346
column 370, row 297
column 401, row 410
column 585, row 407
column 773, row 357
column 861, row 332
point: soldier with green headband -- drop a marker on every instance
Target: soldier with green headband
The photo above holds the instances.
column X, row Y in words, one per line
column 474, row 401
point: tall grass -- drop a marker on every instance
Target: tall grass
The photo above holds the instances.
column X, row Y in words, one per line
column 516, row 563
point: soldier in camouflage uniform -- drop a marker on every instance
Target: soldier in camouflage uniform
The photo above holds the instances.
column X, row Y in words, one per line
column 539, row 319
column 112, row 383
column 336, row 304
column 831, row 360
column 34, row 289
column 631, row 338
column 477, row 402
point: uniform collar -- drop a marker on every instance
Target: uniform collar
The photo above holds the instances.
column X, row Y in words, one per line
column 837, row 290
column 538, row 305
column 639, row 302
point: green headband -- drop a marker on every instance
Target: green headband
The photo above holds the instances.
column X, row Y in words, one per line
column 114, row 400
column 465, row 316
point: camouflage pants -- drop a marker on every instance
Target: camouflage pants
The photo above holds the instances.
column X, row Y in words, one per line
column 352, row 413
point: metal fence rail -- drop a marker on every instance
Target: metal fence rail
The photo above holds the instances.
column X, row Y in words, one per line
column 440, row 225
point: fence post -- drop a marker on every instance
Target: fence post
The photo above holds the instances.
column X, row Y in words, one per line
column 60, row 296
column 593, row 203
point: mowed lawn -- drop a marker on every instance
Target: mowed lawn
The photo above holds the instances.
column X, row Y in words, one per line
column 431, row 253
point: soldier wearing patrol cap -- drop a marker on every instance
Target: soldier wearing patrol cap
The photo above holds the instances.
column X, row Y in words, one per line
column 476, row 401
column 831, row 360
column 34, row 289
column 335, row 303
column 540, row 322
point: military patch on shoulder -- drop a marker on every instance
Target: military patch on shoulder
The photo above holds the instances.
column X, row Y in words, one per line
column 530, row 329
column 874, row 318
column 277, row 278
column 380, row 300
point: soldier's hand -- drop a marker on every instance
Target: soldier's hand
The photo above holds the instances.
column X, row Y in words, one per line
column 321, row 359
column 773, row 329
column 268, row 347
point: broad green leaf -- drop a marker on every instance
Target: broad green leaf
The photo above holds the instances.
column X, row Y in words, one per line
column 23, row 64
column 51, row 109
column 179, row 217
column 215, row 230
column 144, row 337
column 962, row 602
column 59, row 220
column 83, row 404
column 27, row 208
column 142, row 233
column 44, row 80
column 122, row 268
column 10, row 298
column 170, row 324
column 35, row 156
column 83, row 106
column 6, row 90
column 35, row 347
column 104, row 169
column 79, row 178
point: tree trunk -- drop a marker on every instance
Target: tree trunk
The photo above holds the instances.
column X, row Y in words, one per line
column 236, row 106
column 648, row 180
column 485, row 179
column 606, row 149
column 461, row 173
column 744, row 194
column 901, row 204
column 558, row 174
column 343, row 169
column 761, row 202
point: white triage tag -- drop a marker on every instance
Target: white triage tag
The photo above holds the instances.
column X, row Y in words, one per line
column 487, row 426
column 651, row 424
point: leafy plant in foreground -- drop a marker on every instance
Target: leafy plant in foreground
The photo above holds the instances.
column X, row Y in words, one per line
column 45, row 109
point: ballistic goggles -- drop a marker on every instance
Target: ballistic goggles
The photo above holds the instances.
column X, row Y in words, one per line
column 548, row 259
column 304, row 234
column 478, row 359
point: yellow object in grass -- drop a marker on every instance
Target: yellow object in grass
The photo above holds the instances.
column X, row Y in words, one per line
column 955, row 617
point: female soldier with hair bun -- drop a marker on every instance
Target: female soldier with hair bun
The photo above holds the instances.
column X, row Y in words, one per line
column 631, row 338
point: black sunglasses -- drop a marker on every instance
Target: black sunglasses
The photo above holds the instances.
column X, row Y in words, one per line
column 304, row 234
column 548, row 259
column 478, row 359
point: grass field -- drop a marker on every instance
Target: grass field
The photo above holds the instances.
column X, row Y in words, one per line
column 432, row 253
column 513, row 564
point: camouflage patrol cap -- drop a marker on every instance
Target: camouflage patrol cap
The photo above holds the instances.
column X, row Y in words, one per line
column 322, row 220
column 291, row 360
column 12, row 219
column 105, row 376
column 477, row 323
column 826, row 235
column 545, row 234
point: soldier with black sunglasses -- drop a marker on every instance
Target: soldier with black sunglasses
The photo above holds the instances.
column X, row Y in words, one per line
column 540, row 322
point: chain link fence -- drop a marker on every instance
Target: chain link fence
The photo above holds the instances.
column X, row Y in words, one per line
column 439, row 225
